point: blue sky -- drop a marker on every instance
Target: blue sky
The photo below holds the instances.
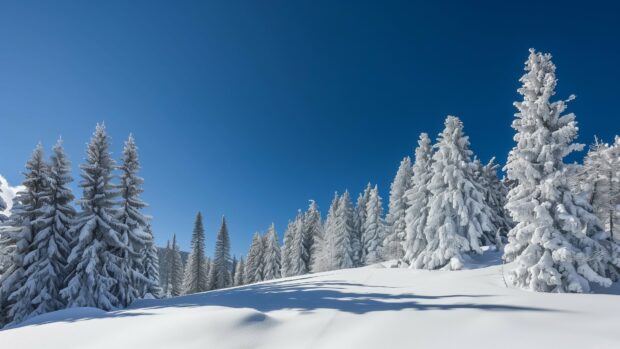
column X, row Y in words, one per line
column 250, row 108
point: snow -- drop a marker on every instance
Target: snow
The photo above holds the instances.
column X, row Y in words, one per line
column 7, row 193
column 371, row 307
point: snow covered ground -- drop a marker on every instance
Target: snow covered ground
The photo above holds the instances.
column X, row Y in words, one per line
column 372, row 307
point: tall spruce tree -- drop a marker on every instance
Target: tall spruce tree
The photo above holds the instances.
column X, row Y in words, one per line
column 24, row 287
column 298, row 254
column 314, row 228
column 359, row 218
column 220, row 275
column 96, row 259
column 286, row 251
column 134, row 222
column 558, row 244
column 458, row 216
column 240, row 273
column 196, row 274
column 176, row 272
column 150, row 265
column 272, row 255
column 255, row 264
column 325, row 255
column 417, row 199
column 374, row 229
column 397, row 208
column 344, row 256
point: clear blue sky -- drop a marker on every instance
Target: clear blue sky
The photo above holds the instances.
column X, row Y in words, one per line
column 249, row 109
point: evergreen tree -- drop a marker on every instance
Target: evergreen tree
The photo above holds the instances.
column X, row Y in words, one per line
column 240, row 273
column 176, row 272
column 254, row 266
column 96, row 259
column 287, row 246
column 298, row 253
column 458, row 216
column 164, row 270
column 272, row 254
column 233, row 269
column 600, row 181
column 220, row 270
column 359, row 218
column 150, row 264
column 395, row 220
column 344, row 256
column 325, row 255
column 24, row 287
column 374, row 229
column 133, row 234
column 196, row 273
column 495, row 193
column 314, row 228
column 417, row 200
column 558, row 244
column 3, row 207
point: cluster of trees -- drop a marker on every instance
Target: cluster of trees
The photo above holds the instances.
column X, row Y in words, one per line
column 200, row 273
column 100, row 256
column 557, row 221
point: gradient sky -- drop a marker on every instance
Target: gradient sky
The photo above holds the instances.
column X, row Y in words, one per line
column 250, row 108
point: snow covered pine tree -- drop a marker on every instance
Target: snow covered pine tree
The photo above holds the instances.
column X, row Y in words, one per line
column 196, row 273
column 96, row 259
column 220, row 273
column 558, row 243
column 272, row 255
column 397, row 208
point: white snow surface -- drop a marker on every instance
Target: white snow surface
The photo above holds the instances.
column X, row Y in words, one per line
column 371, row 307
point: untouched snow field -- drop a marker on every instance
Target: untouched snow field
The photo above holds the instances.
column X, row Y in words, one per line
column 371, row 307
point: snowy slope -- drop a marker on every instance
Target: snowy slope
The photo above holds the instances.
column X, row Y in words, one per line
column 370, row 307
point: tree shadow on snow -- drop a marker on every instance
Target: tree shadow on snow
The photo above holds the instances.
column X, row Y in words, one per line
column 308, row 296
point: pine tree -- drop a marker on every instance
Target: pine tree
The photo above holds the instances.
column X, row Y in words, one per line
column 150, row 264
column 254, row 266
column 164, row 270
column 359, row 218
column 344, row 256
column 196, row 275
column 286, row 252
column 240, row 273
column 133, row 234
column 417, row 199
column 324, row 259
column 395, row 220
column 272, row 254
column 176, row 272
column 374, row 229
column 220, row 275
column 298, row 253
column 558, row 244
column 96, row 258
column 495, row 193
column 233, row 269
column 23, row 287
column 3, row 207
column 458, row 216
column 600, row 181
column 314, row 228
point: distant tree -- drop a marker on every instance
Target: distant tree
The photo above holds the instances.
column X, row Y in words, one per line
column 314, row 228
column 395, row 220
column 220, row 269
column 359, row 218
column 417, row 199
column 286, row 251
column 254, row 266
column 240, row 273
column 374, row 229
column 298, row 253
column 344, row 256
column 272, row 254
column 196, row 273
column 325, row 257
column 176, row 272
column 96, row 259
column 150, row 262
